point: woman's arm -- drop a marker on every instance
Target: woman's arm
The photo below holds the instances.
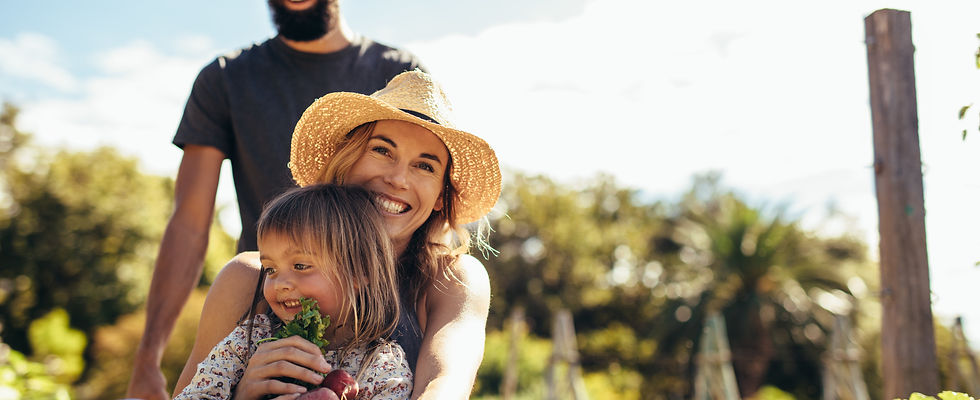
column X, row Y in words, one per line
column 455, row 321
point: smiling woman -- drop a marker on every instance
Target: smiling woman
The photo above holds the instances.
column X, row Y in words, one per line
column 427, row 180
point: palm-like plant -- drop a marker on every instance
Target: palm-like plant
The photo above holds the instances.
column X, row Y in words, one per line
column 768, row 277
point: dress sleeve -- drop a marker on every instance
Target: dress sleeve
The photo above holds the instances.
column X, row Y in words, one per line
column 386, row 375
column 224, row 366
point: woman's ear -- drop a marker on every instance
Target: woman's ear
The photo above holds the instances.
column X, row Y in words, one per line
column 438, row 205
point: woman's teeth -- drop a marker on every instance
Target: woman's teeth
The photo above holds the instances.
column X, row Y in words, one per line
column 390, row 206
column 291, row 303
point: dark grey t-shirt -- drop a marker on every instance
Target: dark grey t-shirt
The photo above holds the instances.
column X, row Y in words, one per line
column 246, row 104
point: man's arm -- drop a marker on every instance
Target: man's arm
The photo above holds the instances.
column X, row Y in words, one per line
column 455, row 331
column 178, row 265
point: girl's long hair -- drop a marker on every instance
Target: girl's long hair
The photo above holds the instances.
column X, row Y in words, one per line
column 434, row 246
column 342, row 228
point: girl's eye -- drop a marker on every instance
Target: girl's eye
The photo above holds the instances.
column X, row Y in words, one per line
column 268, row 270
column 302, row 267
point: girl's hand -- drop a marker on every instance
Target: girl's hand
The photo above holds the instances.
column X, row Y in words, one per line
column 292, row 357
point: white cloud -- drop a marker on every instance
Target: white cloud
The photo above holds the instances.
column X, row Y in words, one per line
column 35, row 57
column 133, row 103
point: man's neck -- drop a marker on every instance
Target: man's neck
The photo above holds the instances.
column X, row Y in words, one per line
column 337, row 39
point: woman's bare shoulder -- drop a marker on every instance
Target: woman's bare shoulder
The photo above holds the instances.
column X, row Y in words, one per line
column 243, row 265
column 467, row 268
column 467, row 277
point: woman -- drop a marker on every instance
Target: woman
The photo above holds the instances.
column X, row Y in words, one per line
column 429, row 180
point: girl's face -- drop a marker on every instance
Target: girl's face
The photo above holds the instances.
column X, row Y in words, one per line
column 292, row 273
column 404, row 164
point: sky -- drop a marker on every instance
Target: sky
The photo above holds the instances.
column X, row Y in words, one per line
column 771, row 94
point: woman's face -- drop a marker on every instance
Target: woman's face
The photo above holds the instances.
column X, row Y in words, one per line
column 404, row 164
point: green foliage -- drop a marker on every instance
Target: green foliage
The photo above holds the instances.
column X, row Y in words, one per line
column 21, row 378
column 772, row 393
column 964, row 109
column 614, row 384
column 640, row 275
column 114, row 346
column 532, row 358
column 308, row 324
column 777, row 285
column 52, row 338
column 79, row 231
column 946, row 395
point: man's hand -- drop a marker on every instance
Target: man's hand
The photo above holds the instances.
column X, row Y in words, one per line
column 147, row 382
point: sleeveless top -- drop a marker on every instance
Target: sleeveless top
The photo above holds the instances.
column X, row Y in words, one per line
column 408, row 334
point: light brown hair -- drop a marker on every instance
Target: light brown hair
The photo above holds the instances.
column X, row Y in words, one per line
column 341, row 226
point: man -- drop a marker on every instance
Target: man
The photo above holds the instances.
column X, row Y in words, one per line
column 244, row 106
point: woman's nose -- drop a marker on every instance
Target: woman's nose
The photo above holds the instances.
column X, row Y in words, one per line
column 396, row 176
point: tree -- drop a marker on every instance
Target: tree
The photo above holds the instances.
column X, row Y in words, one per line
column 573, row 247
column 640, row 275
column 776, row 284
column 78, row 231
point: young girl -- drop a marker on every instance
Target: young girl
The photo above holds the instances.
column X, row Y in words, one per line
column 328, row 243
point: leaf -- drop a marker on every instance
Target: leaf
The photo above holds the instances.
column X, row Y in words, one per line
column 307, row 324
column 964, row 134
column 964, row 109
column 949, row 395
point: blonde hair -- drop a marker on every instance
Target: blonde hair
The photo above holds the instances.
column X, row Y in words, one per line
column 342, row 228
column 435, row 245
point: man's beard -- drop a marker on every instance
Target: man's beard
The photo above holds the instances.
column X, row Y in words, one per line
column 301, row 26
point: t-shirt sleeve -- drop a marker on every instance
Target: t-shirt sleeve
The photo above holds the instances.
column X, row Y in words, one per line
column 387, row 376
column 207, row 117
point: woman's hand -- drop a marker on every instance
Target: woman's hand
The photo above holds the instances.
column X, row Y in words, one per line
column 292, row 357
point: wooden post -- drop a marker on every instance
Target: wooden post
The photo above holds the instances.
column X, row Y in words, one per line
column 842, row 368
column 565, row 351
column 715, row 378
column 909, row 362
column 508, row 388
column 962, row 382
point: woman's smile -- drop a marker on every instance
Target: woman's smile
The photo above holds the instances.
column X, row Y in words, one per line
column 405, row 165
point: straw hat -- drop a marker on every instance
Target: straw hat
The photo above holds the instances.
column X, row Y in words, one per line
column 410, row 95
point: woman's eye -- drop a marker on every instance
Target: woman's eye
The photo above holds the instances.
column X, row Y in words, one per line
column 302, row 267
column 426, row 166
column 381, row 150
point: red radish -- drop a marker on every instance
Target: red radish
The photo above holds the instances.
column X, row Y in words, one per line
column 341, row 383
column 319, row 394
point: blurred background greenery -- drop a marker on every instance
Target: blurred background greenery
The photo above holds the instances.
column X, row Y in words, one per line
column 79, row 232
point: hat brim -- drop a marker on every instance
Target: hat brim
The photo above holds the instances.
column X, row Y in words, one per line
column 475, row 173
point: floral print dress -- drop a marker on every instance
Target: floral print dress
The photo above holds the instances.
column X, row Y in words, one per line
column 381, row 371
